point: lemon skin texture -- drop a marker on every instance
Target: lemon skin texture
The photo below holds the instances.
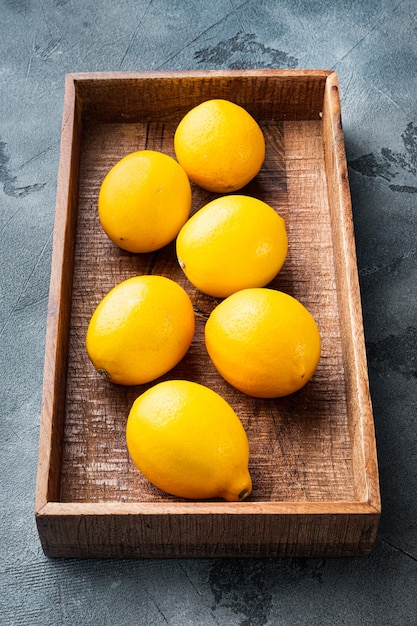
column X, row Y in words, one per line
column 263, row 342
column 188, row 441
column 144, row 200
column 140, row 330
column 220, row 145
column 232, row 243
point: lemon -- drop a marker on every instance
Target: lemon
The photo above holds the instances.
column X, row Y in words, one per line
column 220, row 145
column 144, row 200
column 263, row 342
column 232, row 243
column 188, row 441
column 140, row 330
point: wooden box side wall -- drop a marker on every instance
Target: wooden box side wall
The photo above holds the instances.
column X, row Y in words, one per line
column 356, row 373
column 133, row 97
column 59, row 311
column 165, row 532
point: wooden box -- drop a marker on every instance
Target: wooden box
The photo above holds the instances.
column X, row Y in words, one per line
column 313, row 456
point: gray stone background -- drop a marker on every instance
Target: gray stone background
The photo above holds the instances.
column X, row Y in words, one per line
column 373, row 47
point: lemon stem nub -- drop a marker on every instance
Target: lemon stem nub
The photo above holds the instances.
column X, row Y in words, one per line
column 243, row 495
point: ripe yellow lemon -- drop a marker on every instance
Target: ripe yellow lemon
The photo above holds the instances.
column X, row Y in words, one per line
column 144, row 200
column 188, row 441
column 220, row 145
column 140, row 330
column 232, row 243
column 263, row 342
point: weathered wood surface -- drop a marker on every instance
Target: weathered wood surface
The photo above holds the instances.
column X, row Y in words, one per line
column 314, row 448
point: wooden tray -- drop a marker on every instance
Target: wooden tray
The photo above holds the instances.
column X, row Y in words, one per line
column 313, row 458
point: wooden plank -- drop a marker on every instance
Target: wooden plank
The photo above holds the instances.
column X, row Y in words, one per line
column 166, row 96
column 218, row 530
column 362, row 435
column 59, row 309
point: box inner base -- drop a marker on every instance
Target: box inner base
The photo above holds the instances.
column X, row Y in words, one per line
column 300, row 445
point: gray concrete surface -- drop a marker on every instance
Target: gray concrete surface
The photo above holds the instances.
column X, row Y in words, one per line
column 373, row 47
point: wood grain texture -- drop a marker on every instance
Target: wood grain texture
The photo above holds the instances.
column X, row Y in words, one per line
column 210, row 530
column 312, row 449
column 166, row 96
column 59, row 309
column 361, row 428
